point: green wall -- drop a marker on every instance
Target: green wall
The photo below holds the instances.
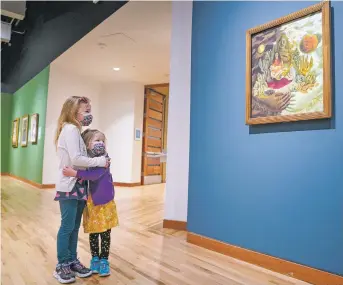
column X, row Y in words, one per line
column 6, row 126
column 27, row 162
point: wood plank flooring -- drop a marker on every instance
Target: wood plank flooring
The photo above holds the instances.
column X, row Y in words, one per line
column 142, row 253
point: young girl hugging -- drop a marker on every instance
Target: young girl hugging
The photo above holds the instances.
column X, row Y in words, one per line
column 71, row 192
column 100, row 215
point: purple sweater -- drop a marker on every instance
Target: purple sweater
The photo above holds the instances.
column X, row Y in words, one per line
column 101, row 184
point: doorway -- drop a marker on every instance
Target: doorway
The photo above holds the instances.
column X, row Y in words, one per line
column 155, row 123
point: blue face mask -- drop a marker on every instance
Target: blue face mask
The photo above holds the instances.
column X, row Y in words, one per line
column 87, row 119
column 98, row 149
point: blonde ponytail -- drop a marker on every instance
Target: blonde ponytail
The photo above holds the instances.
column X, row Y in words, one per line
column 69, row 114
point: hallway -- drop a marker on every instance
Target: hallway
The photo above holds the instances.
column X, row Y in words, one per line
column 142, row 253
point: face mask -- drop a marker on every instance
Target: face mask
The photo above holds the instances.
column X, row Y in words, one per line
column 87, row 119
column 98, row 149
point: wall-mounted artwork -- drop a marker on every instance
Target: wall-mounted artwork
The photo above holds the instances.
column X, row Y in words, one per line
column 288, row 74
column 24, row 130
column 15, row 132
column 34, row 128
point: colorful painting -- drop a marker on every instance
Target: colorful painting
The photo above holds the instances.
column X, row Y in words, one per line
column 287, row 66
column 15, row 132
column 24, row 130
column 34, row 128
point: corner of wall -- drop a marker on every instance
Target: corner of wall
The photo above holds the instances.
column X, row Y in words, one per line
column 176, row 198
column 6, row 130
column 137, row 124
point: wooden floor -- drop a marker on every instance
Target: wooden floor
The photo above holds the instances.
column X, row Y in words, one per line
column 142, row 253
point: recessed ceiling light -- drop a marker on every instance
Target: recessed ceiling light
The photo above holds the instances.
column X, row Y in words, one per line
column 116, row 68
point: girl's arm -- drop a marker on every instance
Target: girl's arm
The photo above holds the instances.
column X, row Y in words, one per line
column 72, row 140
column 92, row 174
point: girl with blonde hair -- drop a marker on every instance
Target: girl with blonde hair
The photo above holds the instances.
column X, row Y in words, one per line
column 71, row 192
column 100, row 215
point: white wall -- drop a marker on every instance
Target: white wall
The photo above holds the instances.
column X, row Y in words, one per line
column 138, row 123
column 176, row 198
column 63, row 84
column 117, row 109
column 122, row 112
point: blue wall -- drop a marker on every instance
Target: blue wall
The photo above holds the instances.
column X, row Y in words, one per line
column 275, row 189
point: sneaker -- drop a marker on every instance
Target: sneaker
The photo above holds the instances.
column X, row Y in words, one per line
column 95, row 264
column 79, row 269
column 104, row 268
column 63, row 274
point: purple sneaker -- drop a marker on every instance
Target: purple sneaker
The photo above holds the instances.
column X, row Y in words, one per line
column 63, row 274
column 79, row 269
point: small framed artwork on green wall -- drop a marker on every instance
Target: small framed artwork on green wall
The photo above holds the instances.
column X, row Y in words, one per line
column 15, row 132
column 34, row 128
column 24, row 130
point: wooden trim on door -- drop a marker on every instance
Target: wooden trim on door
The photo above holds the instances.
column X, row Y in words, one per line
column 160, row 124
column 301, row 272
column 175, row 225
column 153, row 129
column 157, row 85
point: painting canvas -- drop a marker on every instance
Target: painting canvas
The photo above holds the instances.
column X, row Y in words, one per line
column 34, row 128
column 288, row 68
column 24, row 130
column 15, row 132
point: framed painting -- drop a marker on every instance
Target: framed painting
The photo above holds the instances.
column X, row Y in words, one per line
column 34, row 128
column 24, row 130
column 288, row 76
column 15, row 132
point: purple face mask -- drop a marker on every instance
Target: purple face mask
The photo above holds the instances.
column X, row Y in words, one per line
column 87, row 119
column 98, row 149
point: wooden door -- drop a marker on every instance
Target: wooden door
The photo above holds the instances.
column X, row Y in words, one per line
column 154, row 107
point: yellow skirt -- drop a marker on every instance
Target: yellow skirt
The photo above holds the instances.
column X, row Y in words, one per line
column 99, row 219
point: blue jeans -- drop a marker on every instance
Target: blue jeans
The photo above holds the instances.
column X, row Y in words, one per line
column 67, row 237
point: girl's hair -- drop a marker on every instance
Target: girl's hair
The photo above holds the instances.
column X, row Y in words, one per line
column 88, row 134
column 69, row 113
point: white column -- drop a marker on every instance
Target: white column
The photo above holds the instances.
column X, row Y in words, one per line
column 176, row 198
column 121, row 111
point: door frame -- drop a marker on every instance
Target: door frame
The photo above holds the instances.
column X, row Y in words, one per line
column 165, row 124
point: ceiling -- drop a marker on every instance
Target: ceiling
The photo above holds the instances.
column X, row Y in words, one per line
column 48, row 29
column 136, row 39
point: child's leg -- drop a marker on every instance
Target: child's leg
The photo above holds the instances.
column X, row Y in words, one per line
column 68, row 215
column 105, row 244
column 105, row 252
column 76, row 266
column 94, row 244
column 74, row 237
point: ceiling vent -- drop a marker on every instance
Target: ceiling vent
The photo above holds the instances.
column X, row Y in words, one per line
column 5, row 32
column 11, row 13
column 13, row 9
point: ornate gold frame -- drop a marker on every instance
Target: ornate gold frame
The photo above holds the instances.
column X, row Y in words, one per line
column 324, row 7
column 36, row 116
column 15, row 144
column 27, row 130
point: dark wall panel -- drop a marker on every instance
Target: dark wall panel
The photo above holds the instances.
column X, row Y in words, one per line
column 50, row 27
